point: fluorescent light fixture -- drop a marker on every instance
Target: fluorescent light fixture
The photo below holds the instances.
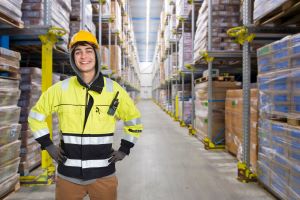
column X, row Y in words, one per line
column 147, row 29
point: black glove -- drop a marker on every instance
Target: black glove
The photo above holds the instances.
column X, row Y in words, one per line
column 56, row 153
column 116, row 156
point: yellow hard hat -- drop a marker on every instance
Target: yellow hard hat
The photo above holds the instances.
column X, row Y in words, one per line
column 83, row 36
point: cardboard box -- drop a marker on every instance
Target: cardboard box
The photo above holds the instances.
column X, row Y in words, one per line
column 9, row 133
column 9, row 151
column 9, row 169
column 115, row 59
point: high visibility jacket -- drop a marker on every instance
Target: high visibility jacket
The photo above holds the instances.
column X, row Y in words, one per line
column 87, row 130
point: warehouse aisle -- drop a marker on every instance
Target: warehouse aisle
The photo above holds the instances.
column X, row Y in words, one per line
column 168, row 164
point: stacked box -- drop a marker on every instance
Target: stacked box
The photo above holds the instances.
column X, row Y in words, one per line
column 234, row 125
column 278, row 82
column 33, row 14
column 163, row 98
column 279, row 77
column 115, row 13
column 9, row 185
column 225, row 15
column 185, row 49
column 104, row 56
column 12, row 9
column 183, row 8
column 9, row 127
column 79, row 14
column 279, row 153
column 30, row 86
column 264, row 7
column 219, row 89
column 115, row 59
column 9, row 64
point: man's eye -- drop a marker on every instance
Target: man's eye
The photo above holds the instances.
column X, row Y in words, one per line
column 90, row 51
column 77, row 53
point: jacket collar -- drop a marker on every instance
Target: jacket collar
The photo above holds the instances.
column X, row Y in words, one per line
column 96, row 86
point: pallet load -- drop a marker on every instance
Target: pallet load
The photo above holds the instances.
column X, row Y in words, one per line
column 185, row 49
column 225, row 15
column 162, row 76
column 55, row 123
column 115, row 15
column 276, row 11
column 9, row 127
column 10, row 11
column 186, row 98
column 30, row 86
column 80, row 14
column 219, row 89
column 34, row 15
column 115, row 59
column 234, row 125
column 279, row 105
column 183, row 8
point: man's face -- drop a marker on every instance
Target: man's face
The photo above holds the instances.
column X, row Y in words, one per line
column 85, row 58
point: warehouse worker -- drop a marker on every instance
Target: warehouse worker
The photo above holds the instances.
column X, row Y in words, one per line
column 87, row 106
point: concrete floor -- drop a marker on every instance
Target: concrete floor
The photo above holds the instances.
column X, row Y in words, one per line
column 168, row 164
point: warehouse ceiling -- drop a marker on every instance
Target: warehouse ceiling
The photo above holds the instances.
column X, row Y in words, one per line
column 138, row 9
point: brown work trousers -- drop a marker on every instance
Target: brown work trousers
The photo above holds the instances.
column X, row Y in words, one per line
column 103, row 189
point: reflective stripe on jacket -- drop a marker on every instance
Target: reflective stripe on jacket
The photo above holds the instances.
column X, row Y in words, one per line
column 87, row 130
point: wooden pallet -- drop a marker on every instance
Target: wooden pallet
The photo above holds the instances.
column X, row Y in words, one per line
column 7, row 19
column 287, row 13
column 9, row 72
column 12, row 191
column 218, row 78
column 288, row 119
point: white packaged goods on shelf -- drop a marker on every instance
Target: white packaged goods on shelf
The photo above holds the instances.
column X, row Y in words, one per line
column 219, row 89
column 9, row 151
column 9, row 115
column 12, row 9
column 116, row 13
column 9, row 185
column 115, row 59
column 9, row 169
column 76, row 17
column 225, row 15
column 34, row 15
column 234, row 125
column 183, row 8
column 185, row 49
column 279, row 155
column 9, row 133
column 104, row 55
column 264, row 7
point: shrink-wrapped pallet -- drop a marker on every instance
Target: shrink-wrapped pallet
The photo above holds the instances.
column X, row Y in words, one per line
column 234, row 124
column 11, row 11
column 58, row 13
column 225, row 15
column 217, row 103
column 185, row 51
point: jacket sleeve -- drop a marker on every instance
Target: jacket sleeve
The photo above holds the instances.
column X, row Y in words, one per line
column 39, row 113
column 131, row 116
